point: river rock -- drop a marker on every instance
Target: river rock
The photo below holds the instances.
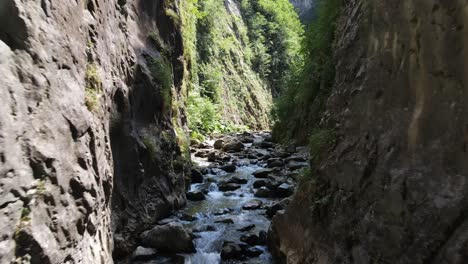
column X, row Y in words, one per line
column 232, row 250
column 254, row 239
column 246, row 228
column 261, row 174
column 272, row 210
column 142, row 253
column 284, row 190
column 169, row 238
column 227, row 221
column 233, row 145
column 263, row 192
column 259, row 183
column 229, row 168
column 291, row 148
column 218, row 144
column 238, row 180
column 204, row 228
column 196, row 196
column 252, row 205
column 226, row 186
column 196, row 176
column 274, row 163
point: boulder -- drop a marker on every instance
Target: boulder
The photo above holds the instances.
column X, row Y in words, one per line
column 272, row 210
column 252, row 205
column 229, row 168
column 284, row 190
column 226, row 186
column 238, row 180
column 254, row 239
column 196, row 196
column 263, row 173
column 246, row 228
column 275, row 163
column 234, row 146
column 142, row 253
column 263, row 192
column 232, row 250
column 259, row 183
column 170, row 238
column 196, row 176
column 227, row 221
column 205, row 228
column 218, row 144
column 291, row 148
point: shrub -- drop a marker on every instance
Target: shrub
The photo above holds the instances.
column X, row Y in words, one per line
column 162, row 73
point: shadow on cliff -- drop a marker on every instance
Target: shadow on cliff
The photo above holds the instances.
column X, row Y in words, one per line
column 148, row 169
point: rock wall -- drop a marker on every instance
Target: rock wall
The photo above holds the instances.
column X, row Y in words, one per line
column 89, row 139
column 394, row 188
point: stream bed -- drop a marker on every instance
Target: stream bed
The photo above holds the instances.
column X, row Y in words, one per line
column 239, row 182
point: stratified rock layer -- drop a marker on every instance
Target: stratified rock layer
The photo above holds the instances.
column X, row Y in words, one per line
column 394, row 189
column 88, row 138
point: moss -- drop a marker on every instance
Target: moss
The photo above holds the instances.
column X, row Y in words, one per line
column 150, row 147
column 41, row 188
column 93, row 87
column 25, row 214
column 162, row 73
column 320, row 142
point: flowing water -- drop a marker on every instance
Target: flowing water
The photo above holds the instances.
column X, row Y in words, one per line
column 220, row 216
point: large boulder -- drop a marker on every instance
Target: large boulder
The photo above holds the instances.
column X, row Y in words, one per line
column 218, row 144
column 263, row 173
column 227, row 186
column 253, row 205
column 142, row 253
column 196, row 176
column 169, row 238
column 196, row 196
column 233, row 146
column 284, row 190
column 229, row 168
column 263, row 192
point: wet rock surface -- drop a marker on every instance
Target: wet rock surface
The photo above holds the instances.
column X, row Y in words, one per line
column 228, row 218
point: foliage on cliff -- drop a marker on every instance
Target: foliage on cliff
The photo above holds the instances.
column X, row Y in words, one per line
column 299, row 110
column 240, row 54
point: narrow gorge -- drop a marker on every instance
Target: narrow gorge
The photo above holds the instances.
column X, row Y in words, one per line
column 233, row 131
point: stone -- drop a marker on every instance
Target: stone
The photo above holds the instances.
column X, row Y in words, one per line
column 254, row 239
column 229, row 168
column 275, row 164
column 291, row 148
column 227, row 221
column 231, row 250
column 259, row 183
column 233, row 145
column 263, row 192
column 196, row 196
column 252, row 205
column 205, row 228
column 170, row 238
column 237, row 180
column 261, row 174
column 284, row 190
column 218, row 144
column 196, row 176
column 224, row 187
column 246, row 228
column 272, row 210
column 142, row 253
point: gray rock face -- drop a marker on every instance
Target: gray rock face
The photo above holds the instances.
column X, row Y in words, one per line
column 81, row 117
column 170, row 238
column 394, row 187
